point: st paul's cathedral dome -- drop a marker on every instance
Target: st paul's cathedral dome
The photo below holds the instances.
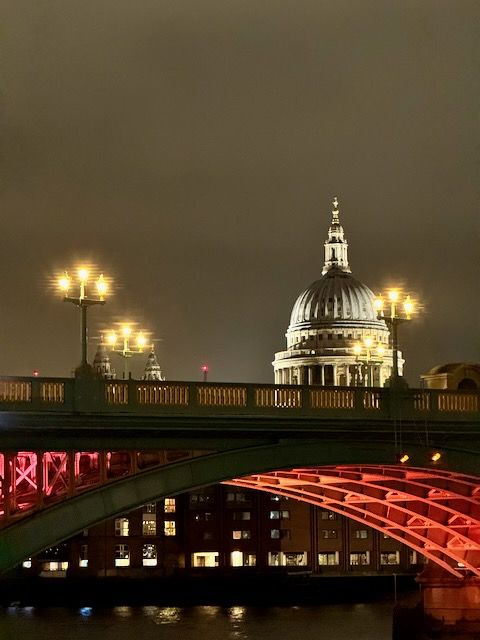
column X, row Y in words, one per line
column 334, row 336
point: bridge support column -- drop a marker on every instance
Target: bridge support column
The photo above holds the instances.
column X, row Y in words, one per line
column 451, row 600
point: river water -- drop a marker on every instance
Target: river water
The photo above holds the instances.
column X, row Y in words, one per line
column 371, row 621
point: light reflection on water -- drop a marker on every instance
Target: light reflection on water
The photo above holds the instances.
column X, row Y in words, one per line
column 330, row 622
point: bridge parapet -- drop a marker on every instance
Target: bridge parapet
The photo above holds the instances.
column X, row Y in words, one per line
column 67, row 395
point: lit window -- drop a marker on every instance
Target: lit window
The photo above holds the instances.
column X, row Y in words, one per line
column 122, row 555
column 170, row 505
column 149, row 554
column 329, row 534
column 170, row 528
column 122, row 527
column 83, row 556
column 287, row 559
column 205, row 559
column 285, row 515
column 390, row 558
column 274, row 515
column 329, row 559
column 245, row 534
column 274, row 497
column 361, row 558
column 149, row 525
column 27, row 564
column 241, row 559
column 275, row 534
column 361, row 534
column 54, row 566
column 413, row 557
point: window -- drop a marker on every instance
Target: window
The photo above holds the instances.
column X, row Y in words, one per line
column 203, row 516
column 197, row 499
column 241, row 515
column 412, row 558
column 361, row 534
column 329, row 559
column 149, row 525
column 274, row 497
column 27, row 564
column 169, row 505
column 328, row 515
column 277, row 515
column 329, row 534
column 151, row 507
column 149, row 555
column 390, row 558
column 207, row 535
column 245, row 534
column 287, row 559
column 241, row 559
column 295, row 558
column 360, row 558
column 277, row 534
column 205, row 559
column 122, row 527
column 54, row 566
column 122, row 555
column 83, row 556
column 170, row 528
column 236, row 496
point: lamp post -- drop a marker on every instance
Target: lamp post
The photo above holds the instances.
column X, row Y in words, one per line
column 395, row 308
column 124, row 338
column 368, row 354
column 83, row 301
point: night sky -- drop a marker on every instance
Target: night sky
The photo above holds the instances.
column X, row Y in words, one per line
column 191, row 148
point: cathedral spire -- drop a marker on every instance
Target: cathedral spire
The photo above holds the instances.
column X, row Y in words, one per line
column 152, row 368
column 336, row 245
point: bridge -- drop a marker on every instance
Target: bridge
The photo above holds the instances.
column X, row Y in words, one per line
column 78, row 451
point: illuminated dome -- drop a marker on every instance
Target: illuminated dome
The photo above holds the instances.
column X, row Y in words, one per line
column 336, row 296
column 329, row 320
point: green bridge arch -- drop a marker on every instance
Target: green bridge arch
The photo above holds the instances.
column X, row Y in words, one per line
column 61, row 521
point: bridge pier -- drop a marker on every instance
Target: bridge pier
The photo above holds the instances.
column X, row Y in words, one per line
column 450, row 600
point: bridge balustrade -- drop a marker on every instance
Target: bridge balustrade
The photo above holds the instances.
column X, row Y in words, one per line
column 174, row 394
column 220, row 396
column 103, row 396
column 277, row 397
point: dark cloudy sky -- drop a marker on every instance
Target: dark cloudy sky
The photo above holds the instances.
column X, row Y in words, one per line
column 192, row 148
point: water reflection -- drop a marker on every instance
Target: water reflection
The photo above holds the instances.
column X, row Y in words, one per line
column 168, row 615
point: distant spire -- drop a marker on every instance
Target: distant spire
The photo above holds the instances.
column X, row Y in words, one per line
column 152, row 368
column 101, row 363
column 336, row 245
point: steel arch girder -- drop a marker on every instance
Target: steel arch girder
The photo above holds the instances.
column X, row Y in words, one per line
column 65, row 519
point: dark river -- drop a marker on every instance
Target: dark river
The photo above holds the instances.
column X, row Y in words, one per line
column 325, row 622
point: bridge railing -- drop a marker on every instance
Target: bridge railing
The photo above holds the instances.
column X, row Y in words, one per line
column 154, row 397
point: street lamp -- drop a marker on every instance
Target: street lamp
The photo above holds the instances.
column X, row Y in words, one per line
column 129, row 344
column 83, row 301
column 394, row 308
column 368, row 353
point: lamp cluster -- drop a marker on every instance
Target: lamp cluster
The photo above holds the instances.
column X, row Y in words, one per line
column 124, row 342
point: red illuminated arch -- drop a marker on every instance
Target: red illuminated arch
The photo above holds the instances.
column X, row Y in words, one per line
column 437, row 513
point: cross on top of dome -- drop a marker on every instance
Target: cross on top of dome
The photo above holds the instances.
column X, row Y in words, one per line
column 335, row 218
